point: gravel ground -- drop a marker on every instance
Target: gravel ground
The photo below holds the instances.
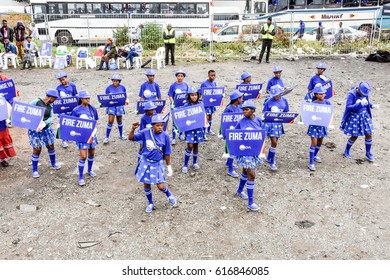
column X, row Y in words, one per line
column 338, row 212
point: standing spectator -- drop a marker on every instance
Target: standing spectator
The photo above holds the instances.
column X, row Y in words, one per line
column 30, row 50
column 34, row 31
column 320, row 31
column 10, row 51
column 301, row 29
column 169, row 41
column 6, row 32
column 135, row 50
column 340, row 35
column 268, row 32
column 19, row 31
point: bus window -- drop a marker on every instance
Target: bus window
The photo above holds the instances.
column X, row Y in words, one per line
column 107, row 8
column 94, row 8
column 259, row 8
column 184, row 8
column 76, row 8
column 39, row 12
column 154, row 8
column 202, row 9
column 172, row 8
column 116, row 8
column 315, row 4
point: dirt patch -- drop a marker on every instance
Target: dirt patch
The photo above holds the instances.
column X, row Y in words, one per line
column 346, row 221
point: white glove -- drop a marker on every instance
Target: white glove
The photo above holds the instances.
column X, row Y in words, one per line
column 364, row 102
column 376, row 106
column 225, row 155
column 358, row 101
column 170, row 171
column 63, row 94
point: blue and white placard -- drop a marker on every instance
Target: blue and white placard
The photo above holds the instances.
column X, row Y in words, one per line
column 316, row 114
column 112, row 99
column 280, row 117
column 65, row 105
column 212, row 96
column 251, row 91
column 7, row 89
column 245, row 142
column 76, row 129
column 26, row 115
column 229, row 121
column 159, row 103
column 189, row 118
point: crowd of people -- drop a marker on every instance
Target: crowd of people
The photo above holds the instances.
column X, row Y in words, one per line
column 17, row 44
column 155, row 142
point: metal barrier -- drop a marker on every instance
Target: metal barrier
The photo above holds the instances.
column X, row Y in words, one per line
column 195, row 39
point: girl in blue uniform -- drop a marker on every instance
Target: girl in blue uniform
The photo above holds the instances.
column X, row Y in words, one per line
column 117, row 111
column 209, row 83
column 357, row 118
column 178, row 87
column 275, row 80
column 86, row 111
column 65, row 89
column 319, row 78
column 275, row 103
column 44, row 135
column 248, row 163
column 150, row 90
column 193, row 137
column 146, row 121
column 233, row 107
column 246, row 78
column 155, row 149
column 316, row 132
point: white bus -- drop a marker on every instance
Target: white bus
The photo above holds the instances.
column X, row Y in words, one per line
column 72, row 21
column 361, row 14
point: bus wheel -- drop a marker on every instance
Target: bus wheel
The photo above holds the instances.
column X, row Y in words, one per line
column 64, row 38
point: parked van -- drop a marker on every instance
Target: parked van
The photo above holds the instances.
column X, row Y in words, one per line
column 222, row 16
column 246, row 30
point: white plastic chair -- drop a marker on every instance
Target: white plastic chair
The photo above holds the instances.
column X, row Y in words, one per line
column 79, row 60
column 137, row 62
column 61, row 53
column 13, row 59
column 159, row 58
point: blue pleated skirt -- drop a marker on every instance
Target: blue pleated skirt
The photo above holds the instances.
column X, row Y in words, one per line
column 87, row 146
column 194, row 136
column 116, row 111
column 358, row 124
column 317, row 131
column 249, row 162
column 274, row 129
column 45, row 137
column 210, row 110
column 149, row 172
